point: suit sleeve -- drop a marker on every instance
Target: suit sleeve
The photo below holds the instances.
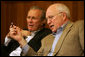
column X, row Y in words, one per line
column 81, row 34
column 40, row 51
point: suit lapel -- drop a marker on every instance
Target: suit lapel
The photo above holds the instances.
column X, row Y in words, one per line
column 50, row 40
column 60, row 41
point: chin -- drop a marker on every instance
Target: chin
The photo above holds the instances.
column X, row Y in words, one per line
column 53, row 30
column 30, row 29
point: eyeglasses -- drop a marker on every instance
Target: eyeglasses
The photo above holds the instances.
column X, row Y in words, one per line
column 53, row 17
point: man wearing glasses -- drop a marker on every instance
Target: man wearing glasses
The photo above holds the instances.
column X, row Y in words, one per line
column 67, row 38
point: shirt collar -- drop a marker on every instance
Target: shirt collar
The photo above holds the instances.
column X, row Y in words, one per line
column 60, row 28
column 34, row 32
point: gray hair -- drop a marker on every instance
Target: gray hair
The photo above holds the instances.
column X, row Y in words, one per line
column 43, row 12
column 63, row 8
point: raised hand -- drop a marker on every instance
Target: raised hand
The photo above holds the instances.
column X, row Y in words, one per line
column 15, row 33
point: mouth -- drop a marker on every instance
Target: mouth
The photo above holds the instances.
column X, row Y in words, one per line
column 30, row 25
column 51, row 26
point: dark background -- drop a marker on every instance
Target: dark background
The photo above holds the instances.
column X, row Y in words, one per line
column 16, row 12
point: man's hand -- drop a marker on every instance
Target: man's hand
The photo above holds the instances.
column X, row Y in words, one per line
column 25, row 33
column 17, row 34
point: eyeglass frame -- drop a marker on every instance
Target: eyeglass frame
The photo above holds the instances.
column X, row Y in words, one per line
column 52, row 17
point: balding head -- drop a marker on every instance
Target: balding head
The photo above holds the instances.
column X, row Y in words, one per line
column 59, row 7
column 57, row 15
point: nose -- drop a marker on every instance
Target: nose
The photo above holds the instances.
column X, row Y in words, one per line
column 48, row 21
column 30, row 20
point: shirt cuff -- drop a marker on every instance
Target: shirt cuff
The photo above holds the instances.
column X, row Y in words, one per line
column 7, row 40
column 25, row 49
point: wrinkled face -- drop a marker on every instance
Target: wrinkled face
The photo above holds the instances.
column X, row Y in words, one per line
column 33, row 20
column 54, row 19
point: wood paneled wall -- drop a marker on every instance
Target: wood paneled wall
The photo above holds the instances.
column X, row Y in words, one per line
column 16, row 11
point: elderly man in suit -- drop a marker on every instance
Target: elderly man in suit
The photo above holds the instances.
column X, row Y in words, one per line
column 18, row 41
column 67, row 38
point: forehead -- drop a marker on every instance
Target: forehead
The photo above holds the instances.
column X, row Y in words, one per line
column 35, row 12
column 51, row 11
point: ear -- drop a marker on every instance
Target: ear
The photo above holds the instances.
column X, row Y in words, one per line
column 64, row 15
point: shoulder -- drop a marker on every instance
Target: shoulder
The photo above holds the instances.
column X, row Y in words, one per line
column 79, row 22
column 78, row 26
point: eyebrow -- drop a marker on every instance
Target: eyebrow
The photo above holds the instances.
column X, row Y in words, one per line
column 50, row 16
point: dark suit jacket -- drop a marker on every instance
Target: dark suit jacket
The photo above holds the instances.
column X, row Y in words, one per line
column 35, row 43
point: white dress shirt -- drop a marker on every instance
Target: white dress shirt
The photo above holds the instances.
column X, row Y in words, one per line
column 18, row 50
